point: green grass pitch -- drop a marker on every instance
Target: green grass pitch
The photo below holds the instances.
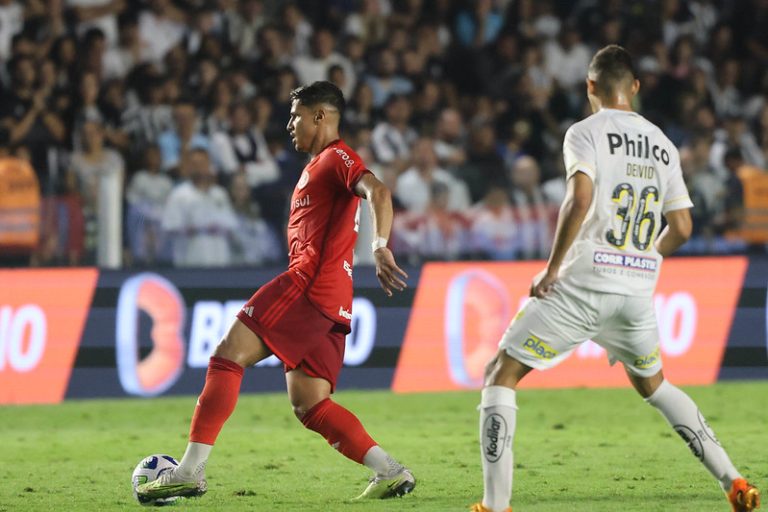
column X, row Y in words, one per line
column 575, row 450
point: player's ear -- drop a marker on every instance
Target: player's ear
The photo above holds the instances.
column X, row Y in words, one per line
column 635, row 87
column 590, row 87
column 319, row 115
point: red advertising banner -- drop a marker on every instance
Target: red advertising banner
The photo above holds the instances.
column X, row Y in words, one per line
column 42, row 313
column 461, row 310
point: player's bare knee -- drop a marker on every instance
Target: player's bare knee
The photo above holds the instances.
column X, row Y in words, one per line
column 646, row 386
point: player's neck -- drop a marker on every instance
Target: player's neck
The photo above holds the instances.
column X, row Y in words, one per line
column 322, row 141
column 621, row 101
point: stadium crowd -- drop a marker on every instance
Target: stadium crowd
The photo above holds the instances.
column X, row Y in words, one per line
column 156, row 128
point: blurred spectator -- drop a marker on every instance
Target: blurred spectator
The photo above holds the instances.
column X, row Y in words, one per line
column 484, row 167
column 146, row 196
column 566, row 58
column 314, row 66
column 391, row 138
column 151, row 116
column 243, row 150
column 19, row 207
column 449, row 139
column 360, row 112
column 101, row 14
column 297, row 24
column 414, row 186
column 120, row 58
column 218, row 105
column 198, row 216
column 386, row 81
column 732, row 216
column 436, row 233
column 734, row 135
column 254, row 242
column 25, row 112
column 161, row 27
column 494, row 232
column 11, row 23
column 244, row 23
column 368, row 23
column 100, row 173
column 479, row 25
column 706, row 191
column 184, row 135
column 534, row 215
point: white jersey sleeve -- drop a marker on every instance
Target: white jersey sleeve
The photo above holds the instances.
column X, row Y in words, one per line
column 579, row 152
column 677, row 196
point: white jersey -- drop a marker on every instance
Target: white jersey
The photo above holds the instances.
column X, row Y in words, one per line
column 636, row 174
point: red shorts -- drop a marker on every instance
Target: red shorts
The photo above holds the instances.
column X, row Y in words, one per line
column 294, row 329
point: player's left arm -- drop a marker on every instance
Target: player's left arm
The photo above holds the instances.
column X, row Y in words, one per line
column 578, row 199
column 380, row 202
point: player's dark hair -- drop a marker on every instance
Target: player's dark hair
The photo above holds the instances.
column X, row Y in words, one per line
column 320, row 92
column 611, row 67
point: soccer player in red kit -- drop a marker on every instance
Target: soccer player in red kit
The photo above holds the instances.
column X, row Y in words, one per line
column 304, row 314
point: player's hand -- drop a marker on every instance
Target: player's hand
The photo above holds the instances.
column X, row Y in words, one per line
column 542, row 284
column 387, row 271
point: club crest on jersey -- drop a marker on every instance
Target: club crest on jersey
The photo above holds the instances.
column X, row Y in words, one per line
column 303, row 180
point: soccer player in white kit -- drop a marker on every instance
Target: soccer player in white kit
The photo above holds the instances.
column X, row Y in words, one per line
column 623, row 174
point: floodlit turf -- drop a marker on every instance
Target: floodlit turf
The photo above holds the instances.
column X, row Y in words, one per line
column 576, row 450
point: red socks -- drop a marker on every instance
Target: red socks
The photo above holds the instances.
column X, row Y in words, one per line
column 336, row 424
column 217, row 401
column 340, row 428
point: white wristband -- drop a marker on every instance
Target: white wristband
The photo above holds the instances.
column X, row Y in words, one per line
column 378, row 243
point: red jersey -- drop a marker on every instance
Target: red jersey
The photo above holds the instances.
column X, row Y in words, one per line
column 322, row 229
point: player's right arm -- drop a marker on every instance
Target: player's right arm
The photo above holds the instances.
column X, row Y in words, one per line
column 380, row 200
column 578, row 199
column 676, row 233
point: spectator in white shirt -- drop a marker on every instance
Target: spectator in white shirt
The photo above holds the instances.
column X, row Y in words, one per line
column 494, row 230
column 534, row 215
column 198, row 216
column 254, row 242
column 314, row 67
column 161, row 27
column 414, row 186
column 566, row 58
column 392, row 138
column 11, row 23
column 147, row 194
column 244, row 150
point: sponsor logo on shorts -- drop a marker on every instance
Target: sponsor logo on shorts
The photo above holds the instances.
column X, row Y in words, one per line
column 345, row 313
column 248, row 310
column 692, row 440
column 625, row 260
column 647, row 361
column 538, row 348
column 494, row 437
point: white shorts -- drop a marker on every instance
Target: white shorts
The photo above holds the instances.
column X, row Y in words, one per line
column 545, row 331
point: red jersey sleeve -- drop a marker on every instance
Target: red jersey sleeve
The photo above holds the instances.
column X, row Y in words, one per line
column 350, row 167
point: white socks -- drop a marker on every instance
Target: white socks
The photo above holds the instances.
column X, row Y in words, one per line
column 192, row 464
column 381, row 463
column 684, row 416
column 498, row 411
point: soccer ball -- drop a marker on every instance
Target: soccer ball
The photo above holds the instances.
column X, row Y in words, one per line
column 150, row 469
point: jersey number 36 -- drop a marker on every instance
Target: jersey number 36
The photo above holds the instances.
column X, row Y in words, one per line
column 634, row 212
